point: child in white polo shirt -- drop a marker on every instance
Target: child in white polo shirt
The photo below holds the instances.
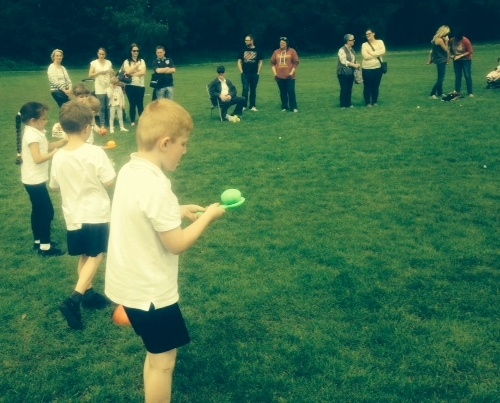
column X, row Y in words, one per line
column 81, row 172
column 146, row 238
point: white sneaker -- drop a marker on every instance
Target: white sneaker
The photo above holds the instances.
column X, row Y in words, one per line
column 111, row 130
column 283, row 110
column 230, row 118
column 295, row 110
column 244, row 109
column 254, row 109
column 122, row 129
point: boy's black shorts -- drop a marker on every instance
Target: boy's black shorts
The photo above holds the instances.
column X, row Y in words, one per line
column 90, row 240
column 161, row 329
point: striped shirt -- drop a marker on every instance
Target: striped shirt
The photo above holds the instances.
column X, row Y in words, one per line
column 58, row 78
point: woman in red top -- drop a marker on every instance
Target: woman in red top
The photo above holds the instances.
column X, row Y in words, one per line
column 461, row 53
column 284, row 64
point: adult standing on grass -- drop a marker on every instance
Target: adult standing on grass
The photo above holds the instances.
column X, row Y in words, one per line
column 135, row 67
column 60, row 83
column 372, row 50
column 100, row 71
column 250, row 63
column 345, row 70
column 143, row 253
column 439, row 55
column 36, row 152
column 284, row 63
column 164, row 69
column 461, row 53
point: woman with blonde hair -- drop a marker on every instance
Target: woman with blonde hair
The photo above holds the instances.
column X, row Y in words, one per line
column 60, row 83
column 439, row 55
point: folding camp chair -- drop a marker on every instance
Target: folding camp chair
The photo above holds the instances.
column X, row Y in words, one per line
column 214, row 104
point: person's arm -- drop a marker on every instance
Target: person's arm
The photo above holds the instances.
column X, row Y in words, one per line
column 261, row 62
column 240, row 66
column 295, row 62
column 57, row 144
column 179, row 240
column 39, row 158
column 213, row 90
column 273, row 63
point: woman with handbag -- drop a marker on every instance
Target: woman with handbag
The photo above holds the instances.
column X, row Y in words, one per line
column 373, row 67
column 345, row 70
column 60, row 83
column 135, row 67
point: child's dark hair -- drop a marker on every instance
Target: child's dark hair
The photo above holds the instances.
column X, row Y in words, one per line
column 30, row 110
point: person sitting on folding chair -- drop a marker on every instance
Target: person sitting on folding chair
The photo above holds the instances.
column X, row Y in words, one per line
column 226, row 93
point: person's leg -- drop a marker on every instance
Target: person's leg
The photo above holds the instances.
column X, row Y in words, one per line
column 87, row 269
column 112, row 113
column 60, row 97
column 457, row 68
column 240, row 103
column 467, row 68
column 348, row 95
column 292, row 99
column 254, row 80
column 42, row 213
column 340, row 77
column 224, row 106
column 140, row 100
column 129, row 90
column 170, row 93
column 158, row 374
column 283, row 94
column 120, row 119
column 245, row 84
column 377, row 78
column 367, row 82
column 160, row 93
column 103, row 99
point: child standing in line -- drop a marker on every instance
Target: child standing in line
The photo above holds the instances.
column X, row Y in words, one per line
column 146, row 238
column 36, row 152
column 116, row 104
column 81, row 172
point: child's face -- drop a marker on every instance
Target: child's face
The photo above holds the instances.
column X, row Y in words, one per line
column 173, row 152
column 81, row 97
column 39, row 123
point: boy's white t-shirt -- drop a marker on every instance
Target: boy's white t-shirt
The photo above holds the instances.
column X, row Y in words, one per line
column 80, row 174
column 139, row 269
column 31, row 172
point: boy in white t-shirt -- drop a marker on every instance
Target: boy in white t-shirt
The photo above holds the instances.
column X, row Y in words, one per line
column 81, row 172
column 146, row 238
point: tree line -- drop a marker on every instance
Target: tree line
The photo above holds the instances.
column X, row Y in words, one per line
column 196, row 29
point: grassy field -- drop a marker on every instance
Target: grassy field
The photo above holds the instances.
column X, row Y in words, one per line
column 364, row 266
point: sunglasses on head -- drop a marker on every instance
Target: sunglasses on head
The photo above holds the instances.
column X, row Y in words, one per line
column 283, row 38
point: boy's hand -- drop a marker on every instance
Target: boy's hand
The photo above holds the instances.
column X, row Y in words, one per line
column 214, row 211
column 189, row 211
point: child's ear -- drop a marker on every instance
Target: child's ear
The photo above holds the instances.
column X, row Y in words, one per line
column 164, row 142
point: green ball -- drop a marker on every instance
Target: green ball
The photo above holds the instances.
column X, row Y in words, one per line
column 230, row 196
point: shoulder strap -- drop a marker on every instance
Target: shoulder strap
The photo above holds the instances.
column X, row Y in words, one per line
column 380, row 61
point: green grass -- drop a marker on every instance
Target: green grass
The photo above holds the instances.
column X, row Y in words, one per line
column 364, row 266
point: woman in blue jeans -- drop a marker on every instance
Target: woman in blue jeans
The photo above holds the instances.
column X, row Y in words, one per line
column 461, row 53
column 439, row 55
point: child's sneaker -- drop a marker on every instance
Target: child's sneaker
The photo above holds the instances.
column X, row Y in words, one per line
column 95, row 300
column 71, row 312
column 111, row 130
column 51, row 252
column 36, row 246
column 122, row 129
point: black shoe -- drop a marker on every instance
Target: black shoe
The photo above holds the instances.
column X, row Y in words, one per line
column 95, row 301
column 51, row 252
column 36, row 246
column 71, row 312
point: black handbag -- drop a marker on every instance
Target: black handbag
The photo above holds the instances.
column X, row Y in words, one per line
column 124, row 77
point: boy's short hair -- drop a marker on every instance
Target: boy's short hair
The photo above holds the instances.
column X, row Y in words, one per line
column 81, row 89
column 74, row 116
column 93, row 103
column 162, row 118
column 221, row 69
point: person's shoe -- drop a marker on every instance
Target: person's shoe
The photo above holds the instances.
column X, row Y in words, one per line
column 254, row 109
column 434, row 97
column 36, row 246
column 375, row 104
column 71, row 312
column 295, row 110
column 132, row 124
column 244, row 109
column 230, row 118
column 95, row 301
column 111, row 130
column 471, row 95
column 122, row 129
column 283, row 110
column 236, row 119
column 53, row 251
